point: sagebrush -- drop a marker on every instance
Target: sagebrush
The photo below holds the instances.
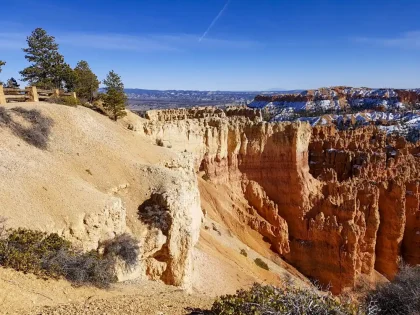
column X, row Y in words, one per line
column 400, row 296
column 125, row 247
column 35, row 133
column 51, row 256
column 267, row 299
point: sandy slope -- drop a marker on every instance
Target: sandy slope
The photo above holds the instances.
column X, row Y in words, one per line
column 20, row 294
column 91, row 160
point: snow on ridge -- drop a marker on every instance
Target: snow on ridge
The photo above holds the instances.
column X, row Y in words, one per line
column 337, row 98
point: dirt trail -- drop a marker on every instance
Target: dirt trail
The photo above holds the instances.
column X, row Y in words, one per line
column 22, row 294
column 154, row 301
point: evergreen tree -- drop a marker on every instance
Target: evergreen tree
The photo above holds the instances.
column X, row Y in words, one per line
column 2, row 63
column 68, row 78
column 114, row 98
column 86, row 82
column 48, row 69
column 12, row 83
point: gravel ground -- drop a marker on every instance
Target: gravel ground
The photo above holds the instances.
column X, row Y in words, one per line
column 145, row 298
column 173, row 303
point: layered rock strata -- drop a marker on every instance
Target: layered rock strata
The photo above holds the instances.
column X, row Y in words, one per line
column 335, row 204
column 339, row 98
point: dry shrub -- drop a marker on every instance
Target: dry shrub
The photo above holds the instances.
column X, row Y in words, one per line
column 2, row 226
column 36, row 134
column 83, row 268
column 125, row 247
column 155, row 213
column 244, row 253
column 271, row 300
column 5, row 117
column 159, row 142
column 400, row 296
column 51, row 256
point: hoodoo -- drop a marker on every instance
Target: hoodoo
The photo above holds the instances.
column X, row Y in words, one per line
column 336, row 204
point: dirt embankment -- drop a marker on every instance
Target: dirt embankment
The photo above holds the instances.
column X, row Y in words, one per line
column 95, row 179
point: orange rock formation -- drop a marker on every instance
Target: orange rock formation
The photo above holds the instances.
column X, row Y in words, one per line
column 335, row 204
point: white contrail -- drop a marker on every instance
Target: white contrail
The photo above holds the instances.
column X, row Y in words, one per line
column 214, row 21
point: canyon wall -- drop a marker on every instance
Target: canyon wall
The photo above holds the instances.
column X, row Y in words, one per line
column 346, row 95
column 338, row 99
column 335, row 204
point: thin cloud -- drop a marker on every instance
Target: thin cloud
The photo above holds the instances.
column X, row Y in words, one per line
column 214, row 21
column 12, row 41
column 408, row 40
column 150, row 43
column 123, row 42
column 115, row 42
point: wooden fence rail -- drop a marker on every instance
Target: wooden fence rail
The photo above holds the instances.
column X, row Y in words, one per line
column 30, row 94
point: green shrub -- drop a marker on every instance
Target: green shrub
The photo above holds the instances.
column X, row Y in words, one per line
column 26, row 250
column 69, row 101
column 260, row 263
column 400, row 296
column 244, row 253
column 49, row 255
column 64, row 100
column 271, row 300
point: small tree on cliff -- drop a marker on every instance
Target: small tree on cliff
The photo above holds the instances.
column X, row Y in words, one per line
column 114, row 98
column 86, row 81
column 48, row 69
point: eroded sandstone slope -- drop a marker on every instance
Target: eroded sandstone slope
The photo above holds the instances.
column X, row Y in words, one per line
column 95, row 179
column 334, row 204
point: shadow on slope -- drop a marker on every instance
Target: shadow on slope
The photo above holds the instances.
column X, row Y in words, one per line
column 29, row 125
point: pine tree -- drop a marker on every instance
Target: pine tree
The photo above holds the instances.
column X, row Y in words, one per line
column 12, row 83
column 48, row 69
column 86, row 82
column 114, row 98
column 2, row 63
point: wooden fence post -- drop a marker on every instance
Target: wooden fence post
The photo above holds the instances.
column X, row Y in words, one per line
column 2, row 96
column 33, row 94
column 73, row 94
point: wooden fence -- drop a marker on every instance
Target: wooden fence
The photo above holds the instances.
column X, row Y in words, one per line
column 30, row 94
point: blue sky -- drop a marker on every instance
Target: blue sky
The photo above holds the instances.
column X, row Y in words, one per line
column 215, row 45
